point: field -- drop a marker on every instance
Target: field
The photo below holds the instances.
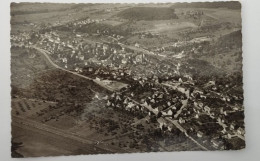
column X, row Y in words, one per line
column 160, row 28
column 37, row 143
column 148, row 13
column 224, row 15
column 30, row 65
column 45, row 14
column 113, row 22
column 113, row 85
column 173, row 29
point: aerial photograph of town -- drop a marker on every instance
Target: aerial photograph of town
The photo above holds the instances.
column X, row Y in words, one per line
column 125, row 78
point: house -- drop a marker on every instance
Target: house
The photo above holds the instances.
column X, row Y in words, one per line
column 64, row 60
column 105, row 47
column 211, row 83
column 232, row 126
column 77, row 69
column 173, row 107
column 105, row 97
column 199, row 134
column 161, row 122
column 90, row 69
column 80, row 70
column 125, row 101
column 169, row 112
column 170, row 127
column 241, row 131
column 109, row 103
column 129, row 106
column 207, row 109
column 221, row 119
column 78, row 35
column 181, row 120
column 217, row 143
column 139, row 58
column 81, row 57
column 214, row 88
column 229, row 136
column 224, row 131
column 124, row 60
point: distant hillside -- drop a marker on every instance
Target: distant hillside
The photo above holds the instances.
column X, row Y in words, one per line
column 35, row 8
column 225, row 54
column 232, row 39
column 148, row 13
column 230, row 5
column 197, row 67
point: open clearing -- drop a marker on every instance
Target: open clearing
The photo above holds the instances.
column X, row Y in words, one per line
column 172, row 26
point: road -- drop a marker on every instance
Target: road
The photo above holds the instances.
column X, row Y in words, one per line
column 137, row 49
column 184, row 102
column 45, row 53
column 142, row 50
column 223, row 125
column 175, row 122
column 147, row 107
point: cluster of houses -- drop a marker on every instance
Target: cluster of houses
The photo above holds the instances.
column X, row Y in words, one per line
column 166, row 104
column 20, row 38
column 77, row 55
column 104, row 31
column 87, row 21
column 98, row 54
column 187, row 46
column 195, row 14
column 142, row 35
column 207, row 117
column 117, row 100
column 106, row 73
column 210, row 124
column 161, row 102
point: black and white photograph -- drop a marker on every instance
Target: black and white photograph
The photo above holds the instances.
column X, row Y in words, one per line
column 112, row 78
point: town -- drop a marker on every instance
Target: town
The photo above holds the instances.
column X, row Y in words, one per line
column 120, row 84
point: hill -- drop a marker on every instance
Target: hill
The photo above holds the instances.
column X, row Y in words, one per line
column 231, row 39
column 230, row 5
column 148, row 13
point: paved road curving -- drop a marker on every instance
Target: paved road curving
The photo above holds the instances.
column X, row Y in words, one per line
column 46, row 54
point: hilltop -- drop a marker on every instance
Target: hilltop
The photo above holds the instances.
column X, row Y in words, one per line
column 148, row 13
column 229, row 5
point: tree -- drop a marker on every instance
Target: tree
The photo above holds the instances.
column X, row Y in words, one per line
column 15, row 146
column 228, row 62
